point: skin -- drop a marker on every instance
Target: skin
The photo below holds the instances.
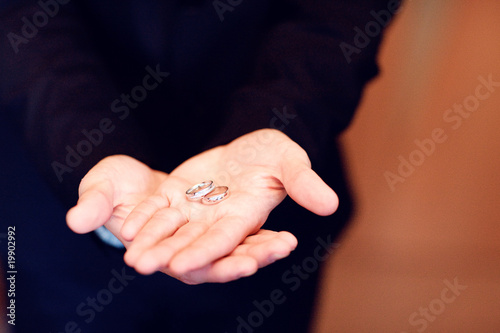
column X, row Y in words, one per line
column 196, row 243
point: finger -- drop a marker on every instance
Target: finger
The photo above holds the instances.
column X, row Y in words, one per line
column 264, row 235
column 162, row 225
column 267, row 248
column 218, row 241
column 160, row 254
column 256, row 252
column 141, row 215
column 307, row 189
column 94, row 206
column 224, row 270
column 115, row 222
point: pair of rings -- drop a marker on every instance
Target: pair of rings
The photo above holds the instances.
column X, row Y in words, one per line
column 207, row 192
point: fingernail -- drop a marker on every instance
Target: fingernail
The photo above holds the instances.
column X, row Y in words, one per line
column 278, row 256
column 246, row 274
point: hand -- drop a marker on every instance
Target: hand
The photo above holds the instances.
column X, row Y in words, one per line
column 110, row 191
column 186, row 239
column 221, row 242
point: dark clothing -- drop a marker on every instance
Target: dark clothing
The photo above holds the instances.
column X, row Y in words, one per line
column 162, row 81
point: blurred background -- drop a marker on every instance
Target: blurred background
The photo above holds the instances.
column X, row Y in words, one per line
column 440, row 220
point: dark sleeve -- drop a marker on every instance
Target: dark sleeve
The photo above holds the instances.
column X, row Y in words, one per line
column 57, row 90
column 311, row 71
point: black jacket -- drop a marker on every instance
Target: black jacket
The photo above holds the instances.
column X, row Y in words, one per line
column 233, row 67
column 163, row 81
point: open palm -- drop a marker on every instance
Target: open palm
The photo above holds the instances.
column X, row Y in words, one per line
column 195, row 242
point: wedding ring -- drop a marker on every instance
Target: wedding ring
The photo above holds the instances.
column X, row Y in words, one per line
column 216, row 195
column 198, row 191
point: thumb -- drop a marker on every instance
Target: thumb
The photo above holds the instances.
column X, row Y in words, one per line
column 307, row 189
column 94, row 206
